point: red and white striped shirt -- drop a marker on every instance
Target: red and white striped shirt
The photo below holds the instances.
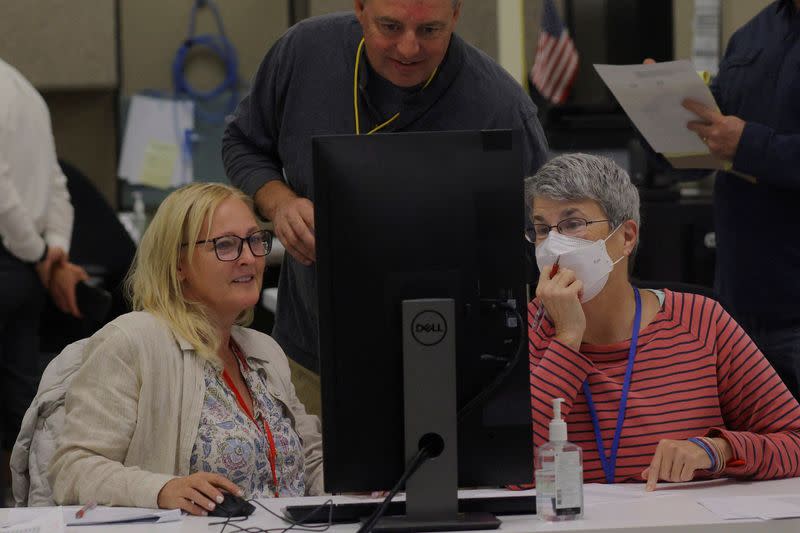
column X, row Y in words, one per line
column 696, row 373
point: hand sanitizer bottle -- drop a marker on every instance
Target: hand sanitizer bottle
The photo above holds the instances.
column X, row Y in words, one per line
column 559, row 474
column 139, row 215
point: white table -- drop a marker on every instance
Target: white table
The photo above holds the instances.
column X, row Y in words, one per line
column 672, row 508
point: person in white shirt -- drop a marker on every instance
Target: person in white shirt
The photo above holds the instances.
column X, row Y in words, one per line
column 35, row 229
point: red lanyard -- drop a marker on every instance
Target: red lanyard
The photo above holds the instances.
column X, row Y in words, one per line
column 273, row 453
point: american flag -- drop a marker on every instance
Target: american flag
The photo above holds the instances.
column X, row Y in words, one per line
column 556, row 62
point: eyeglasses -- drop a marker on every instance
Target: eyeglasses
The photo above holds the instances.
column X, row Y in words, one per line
column 572, row 227
column 229, row 247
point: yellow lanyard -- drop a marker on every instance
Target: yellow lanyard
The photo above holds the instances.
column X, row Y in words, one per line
column 355, row 94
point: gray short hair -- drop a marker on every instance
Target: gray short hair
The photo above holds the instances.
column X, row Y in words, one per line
column 454, row 2
column 587, row 177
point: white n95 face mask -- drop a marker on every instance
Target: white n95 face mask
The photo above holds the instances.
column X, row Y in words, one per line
column 588, row 259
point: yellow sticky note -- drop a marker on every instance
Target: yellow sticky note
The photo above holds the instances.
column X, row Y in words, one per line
column 705, row 76
column 159, row 164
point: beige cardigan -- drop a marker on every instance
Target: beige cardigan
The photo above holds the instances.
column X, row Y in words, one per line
column 133, row 409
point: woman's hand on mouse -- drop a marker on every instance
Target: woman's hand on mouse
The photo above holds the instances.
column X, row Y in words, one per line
column 196, row 494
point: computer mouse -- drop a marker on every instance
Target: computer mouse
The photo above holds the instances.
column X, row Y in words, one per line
column 233, row 505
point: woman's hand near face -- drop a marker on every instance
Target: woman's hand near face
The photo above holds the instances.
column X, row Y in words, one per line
column 560, row 296
column 196, row 494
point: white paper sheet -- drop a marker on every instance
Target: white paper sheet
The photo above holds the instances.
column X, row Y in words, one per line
column 113, row 515
column 651, row 96
column 154, row 149
column 98, row 515
column 764, row 507
column 39, row 521
column 599, row 493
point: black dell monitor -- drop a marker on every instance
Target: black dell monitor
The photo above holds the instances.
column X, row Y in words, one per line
column 421, row 255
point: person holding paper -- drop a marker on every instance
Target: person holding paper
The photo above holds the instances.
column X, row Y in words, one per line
column 658, row 385
column 396, row 66
column 35, row 232
column 177, row 403
column 757, row 130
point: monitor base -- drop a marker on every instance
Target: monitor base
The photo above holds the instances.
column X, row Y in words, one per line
column 461, row 522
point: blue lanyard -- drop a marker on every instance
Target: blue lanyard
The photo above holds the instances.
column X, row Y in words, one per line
column 610, row 462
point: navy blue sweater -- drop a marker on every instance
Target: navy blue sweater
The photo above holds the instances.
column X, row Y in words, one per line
column 758, row 225
column 304, row 87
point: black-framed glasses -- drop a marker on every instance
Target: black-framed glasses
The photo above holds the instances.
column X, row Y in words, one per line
column 229, row 247
column 572, row 227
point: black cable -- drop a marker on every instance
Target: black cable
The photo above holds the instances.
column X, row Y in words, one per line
column 422, row 455
column 228, row 521
column 298, row 525
column 522, row 348
column 413, row 465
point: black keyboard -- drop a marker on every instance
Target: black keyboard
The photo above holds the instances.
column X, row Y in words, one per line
column 354, row 512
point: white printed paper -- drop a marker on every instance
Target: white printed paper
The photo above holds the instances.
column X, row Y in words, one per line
column 155, row 150
column 764, row 507
column 40, row 521
column 651, row 96
column 96, row 515
column 114, row 515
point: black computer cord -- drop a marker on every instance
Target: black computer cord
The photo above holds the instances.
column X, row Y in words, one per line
column 422, row 455
column 425, row 452
column 500, row 378
column 296, row 525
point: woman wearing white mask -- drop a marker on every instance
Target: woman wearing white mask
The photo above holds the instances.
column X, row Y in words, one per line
column 658, row 385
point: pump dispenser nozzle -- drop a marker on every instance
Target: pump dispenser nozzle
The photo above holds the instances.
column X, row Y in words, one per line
column 558, row 428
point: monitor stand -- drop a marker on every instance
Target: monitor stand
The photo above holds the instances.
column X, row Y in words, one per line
column 430, row 407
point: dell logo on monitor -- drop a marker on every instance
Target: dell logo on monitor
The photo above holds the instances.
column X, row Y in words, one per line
column 428, row 328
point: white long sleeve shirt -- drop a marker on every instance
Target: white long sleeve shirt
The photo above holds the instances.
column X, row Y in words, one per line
column 34, row 203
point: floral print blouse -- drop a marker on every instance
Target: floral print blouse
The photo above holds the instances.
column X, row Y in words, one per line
column 229, row 443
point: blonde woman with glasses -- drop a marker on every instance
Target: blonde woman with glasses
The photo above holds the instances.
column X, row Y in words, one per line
column 178, row 403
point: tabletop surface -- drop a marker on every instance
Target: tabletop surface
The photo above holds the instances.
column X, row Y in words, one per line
column 619, row 507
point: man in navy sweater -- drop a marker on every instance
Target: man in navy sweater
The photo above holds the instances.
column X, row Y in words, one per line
column 756, row 220
column 409, row 72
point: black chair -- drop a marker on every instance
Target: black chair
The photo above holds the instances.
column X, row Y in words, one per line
column 102, row 246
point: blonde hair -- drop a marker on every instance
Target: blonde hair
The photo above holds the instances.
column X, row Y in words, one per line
column 152, row 283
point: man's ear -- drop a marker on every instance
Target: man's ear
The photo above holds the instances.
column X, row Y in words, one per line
column 358, row 7
column 457, row 12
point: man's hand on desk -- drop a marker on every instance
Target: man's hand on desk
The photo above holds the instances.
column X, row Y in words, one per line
column 293, row 218
column 721, row 133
